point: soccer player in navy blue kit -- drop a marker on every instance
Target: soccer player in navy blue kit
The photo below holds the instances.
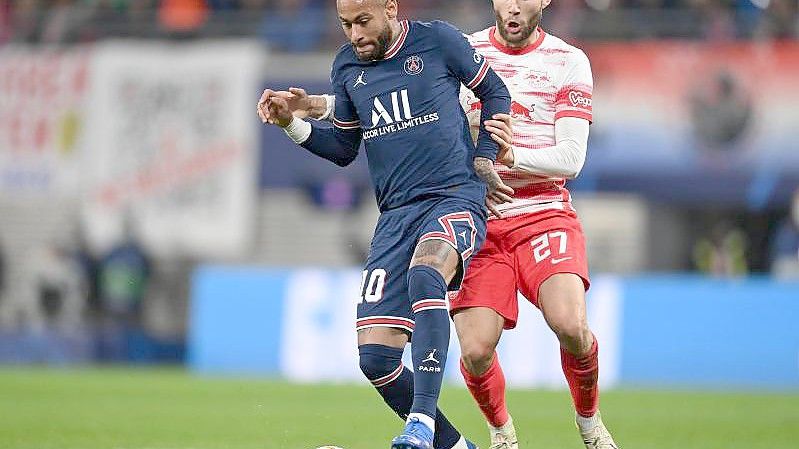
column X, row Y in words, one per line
column 396, row 87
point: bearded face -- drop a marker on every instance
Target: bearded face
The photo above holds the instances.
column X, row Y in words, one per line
column 367, row 24
column 518, row 19
column 373, row 49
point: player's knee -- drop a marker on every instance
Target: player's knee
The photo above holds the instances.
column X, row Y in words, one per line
column 567, row 327
column 375, row 362
column 573, row 330
column 477, row 355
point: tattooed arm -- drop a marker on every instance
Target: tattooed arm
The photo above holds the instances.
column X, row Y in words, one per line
column 498, row 192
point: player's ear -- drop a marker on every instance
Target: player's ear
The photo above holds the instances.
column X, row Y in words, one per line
column 391, row 9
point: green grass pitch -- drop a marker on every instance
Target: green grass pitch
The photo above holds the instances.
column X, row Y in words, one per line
column 169, row 409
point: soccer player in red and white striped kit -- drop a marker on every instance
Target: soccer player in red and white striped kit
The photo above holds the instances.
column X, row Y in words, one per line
column 537, row 247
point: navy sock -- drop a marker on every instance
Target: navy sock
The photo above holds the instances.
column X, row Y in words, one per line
column 427, row 290
column 382, row 365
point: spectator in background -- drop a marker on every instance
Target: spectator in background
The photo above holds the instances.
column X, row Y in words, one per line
column 58, row 289
column 123, row 278
column 718, row 23
column 785, row 245
column 5, row 21
column 723, row 252
column 779, row 21
column 25, row 16
column 182, row 18
column 721, row 112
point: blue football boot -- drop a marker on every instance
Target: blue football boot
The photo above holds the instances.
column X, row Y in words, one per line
column 415, row 436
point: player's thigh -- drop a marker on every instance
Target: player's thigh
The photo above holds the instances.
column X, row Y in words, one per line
column 555, row 245
column 383, row 297
column 561, row 298
column 490, row 282
column 439, row 255
column 478, row 329
column 386, row 336
column 455, row 223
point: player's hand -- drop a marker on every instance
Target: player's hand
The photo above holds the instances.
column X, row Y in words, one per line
column 501, row 129
column 298, row 101
column 263, row 106
column 497, row 191
column 274, row 109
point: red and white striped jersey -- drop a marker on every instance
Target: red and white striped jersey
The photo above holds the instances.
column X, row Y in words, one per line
column 547, row 80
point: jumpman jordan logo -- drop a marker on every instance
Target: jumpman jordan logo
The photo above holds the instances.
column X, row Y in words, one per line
column 431, row 357
column 463, row 234
column 359, row 81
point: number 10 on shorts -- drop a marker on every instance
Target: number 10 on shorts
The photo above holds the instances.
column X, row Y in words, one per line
column 541, row 246
column 372, row 285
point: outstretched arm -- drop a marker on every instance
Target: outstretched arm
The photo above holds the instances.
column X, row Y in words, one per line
column 334, row 144
column 302, row 105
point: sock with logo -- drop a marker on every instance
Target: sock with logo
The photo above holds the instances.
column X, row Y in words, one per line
column 382, row 365
column 488, row 389
column 427, row 291
column 582, row 374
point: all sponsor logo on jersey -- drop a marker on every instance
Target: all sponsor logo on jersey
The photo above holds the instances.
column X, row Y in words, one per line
column 578, row 100
column 395, row 118
column 413, row 65
column 477, row 57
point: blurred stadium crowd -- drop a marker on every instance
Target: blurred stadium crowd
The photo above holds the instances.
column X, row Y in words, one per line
column 306, row 25
column 700, row 172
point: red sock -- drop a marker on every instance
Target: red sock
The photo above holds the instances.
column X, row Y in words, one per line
column 488, row 390
column 582, row 375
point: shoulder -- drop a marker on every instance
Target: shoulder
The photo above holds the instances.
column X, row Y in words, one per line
column 479, row 36
column 574, row 56
column 344, row 57
column 344, row 54
column 441, row 29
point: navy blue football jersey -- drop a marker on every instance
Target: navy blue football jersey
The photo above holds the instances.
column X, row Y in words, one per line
column 406, row 108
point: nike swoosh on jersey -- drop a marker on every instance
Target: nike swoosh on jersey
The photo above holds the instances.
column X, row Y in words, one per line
column 557, row 261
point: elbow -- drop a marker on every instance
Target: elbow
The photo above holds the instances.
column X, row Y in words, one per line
column 577, row 167
column 345, row 161
column 573, row 174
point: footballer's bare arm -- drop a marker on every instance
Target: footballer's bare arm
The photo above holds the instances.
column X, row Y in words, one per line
column 498, row 191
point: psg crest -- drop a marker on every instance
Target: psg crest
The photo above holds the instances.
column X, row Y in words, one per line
column 413, row 65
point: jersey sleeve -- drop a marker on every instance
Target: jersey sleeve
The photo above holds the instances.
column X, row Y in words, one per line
column 345, row 117
column 338, row 144
column 469, row 66
column 574, row 98
column 473, row 71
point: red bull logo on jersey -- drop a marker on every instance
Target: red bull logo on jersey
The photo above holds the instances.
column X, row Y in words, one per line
column 537, row 78
column 518, row 110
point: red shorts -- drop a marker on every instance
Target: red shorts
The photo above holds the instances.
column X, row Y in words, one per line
column 519, row 254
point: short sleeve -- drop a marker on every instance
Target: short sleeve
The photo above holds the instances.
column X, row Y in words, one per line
column 574, row 98
column 469, row 66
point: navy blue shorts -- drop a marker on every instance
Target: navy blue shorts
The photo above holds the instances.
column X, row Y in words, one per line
column 384, row 300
